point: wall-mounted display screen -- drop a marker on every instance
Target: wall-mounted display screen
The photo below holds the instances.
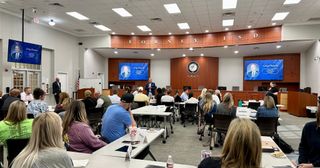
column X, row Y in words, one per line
column 22, row 52
column 133, row 71
column 263, row 69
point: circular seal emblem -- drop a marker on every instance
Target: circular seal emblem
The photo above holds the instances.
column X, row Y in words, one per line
column 193, row 67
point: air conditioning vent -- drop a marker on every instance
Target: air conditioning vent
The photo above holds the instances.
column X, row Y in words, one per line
column 228, row 14
column 93, row 23
column 79, row 30
column 156, row 19
column 314, row 19
column 135, row 52
column 56, row 4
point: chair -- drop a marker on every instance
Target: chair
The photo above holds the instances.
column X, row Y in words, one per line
column 95, row 118
column 30, row 116
column 254, row 105
column 189, row 112
column 221, row 125
column 140, row 104
column 267, row 125
column 15, row 146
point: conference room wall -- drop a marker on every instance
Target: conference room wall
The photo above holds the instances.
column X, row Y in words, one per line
column 231, row 72
column 94, row 63
column 64, row 46
column 160, row 72
column 300, row 32
column 312, row 68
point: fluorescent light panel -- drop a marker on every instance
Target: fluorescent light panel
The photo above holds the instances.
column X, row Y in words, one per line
column 102, row 27
column 280, row 16
column 77, row 15
column 228, row 22
column 290, row 2
column 183, row 26
column 144, row 28
column 122, row 12
column 172, row 8
column 229, row 4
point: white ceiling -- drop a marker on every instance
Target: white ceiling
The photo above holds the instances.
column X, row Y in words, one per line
column 200, row 14
column 244, row 50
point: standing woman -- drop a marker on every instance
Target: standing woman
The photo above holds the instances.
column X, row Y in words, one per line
column 77, row 133
column 45, row 147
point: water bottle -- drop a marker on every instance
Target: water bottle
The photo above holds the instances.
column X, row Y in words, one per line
column 240, row 103
column 169, row 162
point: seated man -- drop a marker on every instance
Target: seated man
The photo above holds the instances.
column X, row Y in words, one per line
column 102, row 101
column 26, row 96
column 191, row 99
column 89, row 102
column 167, row 97
column 185, row 95
column 7, row 100
column 140, row 97
column 115, row 99
column 117, row 118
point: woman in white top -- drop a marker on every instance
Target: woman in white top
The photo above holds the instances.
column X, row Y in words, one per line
column 167, row 97
column 45, row 148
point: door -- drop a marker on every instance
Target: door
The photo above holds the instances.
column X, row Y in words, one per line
column 19, row 79
column 33, row 79
column 63, row 76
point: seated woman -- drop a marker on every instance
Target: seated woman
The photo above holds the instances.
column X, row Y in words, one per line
column 77, row 133
column 227, row 106
column 45, row 147
column 242, row 147
column 268, row 109
column 309, row 148
column 38, row 105
column 89, row 102
column 159, row 96
column 209, row 107
column 64, row 101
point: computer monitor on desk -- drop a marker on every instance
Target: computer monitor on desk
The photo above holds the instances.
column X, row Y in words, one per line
column 222, row 88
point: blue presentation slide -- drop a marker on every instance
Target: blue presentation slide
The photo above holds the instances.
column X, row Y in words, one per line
column 263, row 70
column 22, row 52
column 133, row 71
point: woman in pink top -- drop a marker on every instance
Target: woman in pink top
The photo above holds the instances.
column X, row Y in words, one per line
column 77, row 134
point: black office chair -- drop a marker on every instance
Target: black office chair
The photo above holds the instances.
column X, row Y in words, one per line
column 221, row 125
column 15, row 146
column 30, row 116
column 189, row 113
column 267, row 125
column 95, row 118
column 140, row 104
column 254, row 105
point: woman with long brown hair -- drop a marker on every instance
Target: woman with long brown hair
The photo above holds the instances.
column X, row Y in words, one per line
column 77, row 134
column 241, row 149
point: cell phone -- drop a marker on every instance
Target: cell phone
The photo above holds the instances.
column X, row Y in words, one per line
column 124, row 149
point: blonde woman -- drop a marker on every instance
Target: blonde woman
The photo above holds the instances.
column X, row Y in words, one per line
column 209, row 107
column 268, row 109
column 64, row 101
column 241, row 149
column 77, row 133
column 15, row 125
column 203, row 93
column 45, row 147
column 227, row 106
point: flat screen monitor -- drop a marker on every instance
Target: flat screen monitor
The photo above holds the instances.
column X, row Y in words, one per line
column 133, row 71
column 23, row 52
column 263, row 69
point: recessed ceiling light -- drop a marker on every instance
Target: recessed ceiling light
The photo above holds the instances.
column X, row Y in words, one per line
column 132, row 33
column 102, row 27
column 150, row 34
column 115, row 52
column 144, row 28
column 172, row 8
column 236, row 52
column 227, row 22
column 191, row 49
column 158, row 49
column 122, row 12
column 3, row 2
column 151, row 54
column 77, row 15
column 201, row 54
column 225, row 46
column 290, row 2
column 226, row 29
column 229, row 4
column 187, row 32
column 113, row 33
column 249, row 27
column 52, row 23
column 274, row 23
column 183, row 26
column 207, row 31
column 280, row 16
column 169, row 33
column 278, row 46
column 183, row 55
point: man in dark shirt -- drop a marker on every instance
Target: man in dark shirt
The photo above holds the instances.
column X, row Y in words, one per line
column 13, row 96
column 309, row 148
column 273, row 91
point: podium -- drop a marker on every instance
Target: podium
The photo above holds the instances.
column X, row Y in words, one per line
column 297, row 102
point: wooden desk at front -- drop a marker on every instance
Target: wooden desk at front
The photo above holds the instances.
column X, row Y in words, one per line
column 297, row 102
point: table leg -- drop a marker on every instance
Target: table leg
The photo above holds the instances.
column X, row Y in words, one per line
column 165, row 130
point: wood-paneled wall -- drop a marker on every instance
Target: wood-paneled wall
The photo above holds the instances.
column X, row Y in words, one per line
column 207, row 75
column 113, row 70
column 239, row 37
column 291, row 72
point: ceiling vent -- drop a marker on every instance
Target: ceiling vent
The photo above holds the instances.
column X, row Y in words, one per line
column 79, row 30
column 135, row 52
column 314, row 19
column 228, row 14
column 156, row 19
column 93, row 23
column 256, row 48
column 56, row 4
